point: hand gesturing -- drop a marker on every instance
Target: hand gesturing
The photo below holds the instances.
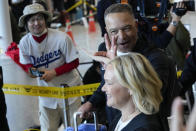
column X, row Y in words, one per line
column 110, row 46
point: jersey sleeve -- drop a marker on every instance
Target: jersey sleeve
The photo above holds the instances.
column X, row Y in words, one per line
column 69, row 50
column 23, row 54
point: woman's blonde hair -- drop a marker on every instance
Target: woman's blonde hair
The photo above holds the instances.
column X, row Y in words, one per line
column 135, row 72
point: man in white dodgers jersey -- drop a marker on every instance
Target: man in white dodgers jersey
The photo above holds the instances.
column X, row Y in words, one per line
column 52, row 52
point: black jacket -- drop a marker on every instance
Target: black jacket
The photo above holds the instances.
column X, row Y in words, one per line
column 3, row 110
column 141, row 122
column 162, row 65
column 160, row 38
column 188, row 76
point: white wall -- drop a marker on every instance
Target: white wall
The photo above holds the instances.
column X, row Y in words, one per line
column 190, row 19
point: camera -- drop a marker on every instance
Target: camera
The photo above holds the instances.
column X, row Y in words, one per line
column 190, row 5
column 36, row 72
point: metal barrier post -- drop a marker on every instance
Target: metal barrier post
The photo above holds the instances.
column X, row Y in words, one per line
column 84, row 7
column 66, row 109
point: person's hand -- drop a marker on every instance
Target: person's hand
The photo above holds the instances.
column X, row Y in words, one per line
column 191, row 124
column 110, row 46
column 178, row 12
column 48, row 75
column 85, row 110
column 177, row 117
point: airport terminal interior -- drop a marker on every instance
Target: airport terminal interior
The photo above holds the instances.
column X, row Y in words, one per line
column 79, row 20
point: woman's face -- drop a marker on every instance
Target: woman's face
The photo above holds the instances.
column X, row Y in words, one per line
column 117, row 95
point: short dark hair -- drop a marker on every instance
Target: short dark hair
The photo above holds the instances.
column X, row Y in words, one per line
column 118, row 8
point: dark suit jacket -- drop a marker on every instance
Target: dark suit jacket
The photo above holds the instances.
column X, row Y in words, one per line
column 3, row 119
column 141, row 122
column 163, row 66
column 188, row 76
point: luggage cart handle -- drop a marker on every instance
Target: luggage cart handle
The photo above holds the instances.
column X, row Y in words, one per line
column 75, row 120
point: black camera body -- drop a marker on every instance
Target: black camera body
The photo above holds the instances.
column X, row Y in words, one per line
column 190, row 6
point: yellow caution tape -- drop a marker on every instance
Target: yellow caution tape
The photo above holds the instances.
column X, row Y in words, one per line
column 57, row 92
column 91, row 6
column 78, row 4
column 32, row 130
column 179, row 73
column 74, row 6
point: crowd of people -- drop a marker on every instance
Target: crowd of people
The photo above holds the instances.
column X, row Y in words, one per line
column 138, row 80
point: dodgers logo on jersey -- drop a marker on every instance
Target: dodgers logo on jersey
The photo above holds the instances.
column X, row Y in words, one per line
column 45, row 59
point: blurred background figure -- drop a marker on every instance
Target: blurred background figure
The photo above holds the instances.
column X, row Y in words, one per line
column 177, row 122
column 93, row 75
column 188, row 77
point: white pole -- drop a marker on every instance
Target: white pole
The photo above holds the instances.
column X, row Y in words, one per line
column 5, row 26
column 85, row 8
column 96, row 2
column 22, row 111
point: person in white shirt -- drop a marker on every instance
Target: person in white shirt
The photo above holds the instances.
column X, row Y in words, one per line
column 51, row 52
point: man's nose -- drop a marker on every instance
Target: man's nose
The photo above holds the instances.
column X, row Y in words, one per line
column 121, row 34
column 36, row 22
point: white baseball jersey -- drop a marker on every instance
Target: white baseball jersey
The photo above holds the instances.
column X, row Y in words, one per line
column 56, row 49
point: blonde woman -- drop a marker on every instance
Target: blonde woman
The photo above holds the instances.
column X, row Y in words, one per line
column 133, row 87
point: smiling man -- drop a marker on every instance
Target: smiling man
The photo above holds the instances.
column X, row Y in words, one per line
column 124, row 38
column 52, row 53
column 123, row 26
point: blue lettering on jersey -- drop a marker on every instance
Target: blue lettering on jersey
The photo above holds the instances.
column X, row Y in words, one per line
column 45, row 59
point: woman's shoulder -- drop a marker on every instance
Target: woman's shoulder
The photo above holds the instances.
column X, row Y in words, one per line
column 114, row 122
column 144, row 122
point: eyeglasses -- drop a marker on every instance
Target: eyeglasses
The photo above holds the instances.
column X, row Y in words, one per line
column 38, row 18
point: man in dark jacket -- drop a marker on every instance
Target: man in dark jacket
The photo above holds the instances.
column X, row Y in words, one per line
column 3, row 110
column 165, row 30
column 188, row 76
column 123, row 38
